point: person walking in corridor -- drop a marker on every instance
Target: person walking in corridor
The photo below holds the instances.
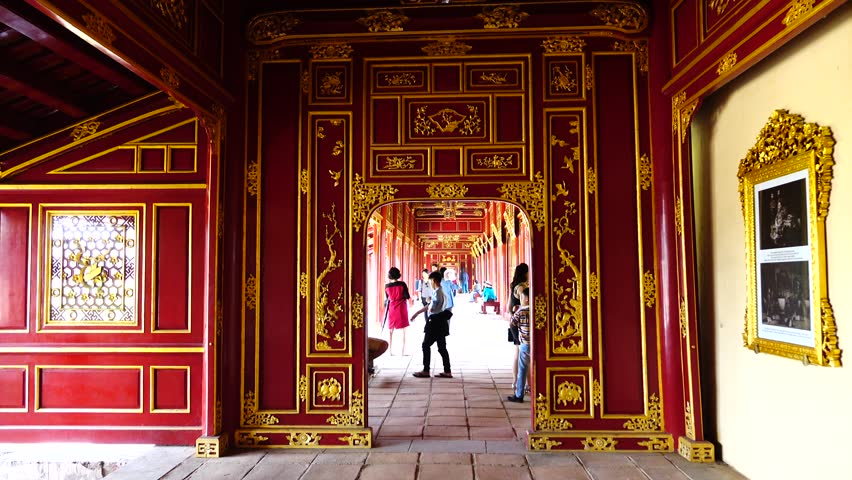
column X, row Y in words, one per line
column 396, row 305
column 437, row 328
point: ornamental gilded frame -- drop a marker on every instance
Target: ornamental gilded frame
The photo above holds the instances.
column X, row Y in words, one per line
column 785, row 241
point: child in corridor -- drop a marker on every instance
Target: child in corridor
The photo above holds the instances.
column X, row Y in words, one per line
column 521, row 320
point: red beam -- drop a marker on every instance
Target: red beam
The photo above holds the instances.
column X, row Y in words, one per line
column 13, row 134
column 37, row 90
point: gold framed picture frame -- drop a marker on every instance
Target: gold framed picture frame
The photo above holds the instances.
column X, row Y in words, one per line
column 784, row 186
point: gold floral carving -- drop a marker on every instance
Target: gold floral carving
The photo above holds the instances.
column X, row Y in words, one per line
column 250, row 292
column 798, row 9
column 589, row 77
column 99, row 27
column 404, row 79
column 446, row 190
column 719, row 6
column 599, row 444
column 173, row 10
column 727, row 63
column 686, row 118
column 305, row 82
column 639, row 47
column 327, row 307
column 384, row 21
column 506, row 16
column 597, row 393
column 446, row 48
column 622, row 15
column 569, row 392
column 658, row 444
column 270, row 27
column 170, row 78
column 649, row 288
column 684, row 326
column 653, row 422
column 562, row 79
column 540, row 307
column 591, row 181
column 303, row 285
column 678, row 216
column 255, row 58
column 331, row 84
column 689, row 417
column 365, row 196
column 543, row 443
column 304, row 181
column 331, row 50
column 304, row 388
column 594, row 285
column 563, row 44
column 543, row 420
column 530, row 195
column 357, row 440
column 250, row 415
column 355, row 417
column 495, row 161
column 494, row 78
column 252, row 174
column 357, row 311
column 646, row 171
column 448, row 120
column 250, row 439
column 677, row 101
column 85, row 129
column 329, row 389
column 304, row 439
column 399, row 163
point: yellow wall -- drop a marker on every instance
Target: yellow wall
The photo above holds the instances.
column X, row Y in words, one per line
column 776, row 419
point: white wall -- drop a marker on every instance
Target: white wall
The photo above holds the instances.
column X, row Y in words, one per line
column 776, row 419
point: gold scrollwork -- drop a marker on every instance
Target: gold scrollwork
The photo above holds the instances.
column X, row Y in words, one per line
column 252, row 177
column 543, row 443
column 677, row 101
column 365, row 196
column 589, row 80
column 98, row 25
column 529, row 194
column 569, row 392
column 85, row 129
column 599, row 444
column 250, row 292
column 639, row 47
column 798, row 8
column 270, row 27
column 399, row 163
column 646, row 171
column 329, row 389
column 543, row 420
column 678, row 216
column 355, row 417
column 250, row 439
column 250, row 415
column 686, row 118
column 563, row 44
column 594, row 285
column 170, row 78
column 696, row 451
column 331, row 84
column 304, row 181
column 357, row 440
column 357, row 311
column 718, row 5
column 449, row 47
column 304, row 439
column 331, row 50
column 727, row 63
column 591, row 181
column 173, row 10
column 622, row 15
column 653, row 422
column 494, row 78
column 684, row 327
column 327, row 308
column 257, row 57
column 304, row 388
column 597, row 393
column 403, row 79
column 507, row 16
column 649, row 288
column 658, row 444
column 303, row 285
column 446, row 190
column 383, row 21
column 540, row 307
column 562, row 79
column 495, row 161
column 689, row 418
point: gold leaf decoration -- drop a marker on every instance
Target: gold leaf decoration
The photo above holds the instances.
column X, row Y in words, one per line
column 678, row 216
column 357, row 311
column 567, row 283
column 529, row 194
column 540, row 308
column 563, row 44
column 543, row 443
column 562, row 79
column 646, row 171
column 331, row 50
column 649, row 289
column 303, row 284
column 399, row 163
column 355, row 417
column 686, row 119
column 98, row 26
column 357, row 440
column 684, row 327
column 640, row 49
column 543, row 420
column 798, row 9
column 506, row 16
column 329, row 389
column 727, row 63
column 446, row 48
column 589, row 80
column 677, row 101
column 495, row 78
column 495, row 161
column 250, row 415
column 719, row 6
column 658, row 444
column 594, row 285
column 250, row 292
column 173, row 10
column 270, row 27
column 257, row 57
column 252, row 177
column 384, row 21
column 591, row 181
column 403, row 79
column 304, row 181
column 629, row 16
column 569, row 392
column 446, row 190
column 689, row 417
column 304, row 388
column 250, row 439
column 170, row 78
column 304, row 439
column 305, row 82
column 85, row 129
column 331, row 84
column 653, row 422
column 599, row 444
column 597, row 393
column 327, row 307
column 365, row 197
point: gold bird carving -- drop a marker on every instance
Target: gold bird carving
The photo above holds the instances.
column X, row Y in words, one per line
column 335, row 176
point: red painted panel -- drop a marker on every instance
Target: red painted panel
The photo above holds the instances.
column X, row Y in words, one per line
column 184, row 133
column 14, row 233
column 173, row 267
column 152, row 160
column 448, row 78
column 13, row 387
column 170, row 388
column 209, row 37
column 121, row 160
column 685, row 28
column 386, row 118
column 112, row 388
column 619, row 245
column 182, row 160
column 510, row 119
column 447, row 162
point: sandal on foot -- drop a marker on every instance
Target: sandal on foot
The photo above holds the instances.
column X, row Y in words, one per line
column 445, row 375
column 423, row 374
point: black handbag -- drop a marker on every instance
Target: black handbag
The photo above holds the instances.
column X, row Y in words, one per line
column 513, row 335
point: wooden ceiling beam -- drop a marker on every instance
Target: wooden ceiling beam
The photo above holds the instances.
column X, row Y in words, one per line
column 37, row 89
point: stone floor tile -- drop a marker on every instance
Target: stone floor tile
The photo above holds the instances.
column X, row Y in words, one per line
column 442, row 420
column 499, row 459
column 383, row 457
column 446, row 412
column 340, row 458
column 395, row 471
column 289, row 456
column 404, row 421
column 501, row 472
column 564, row 472
column 376, row 403
column 390, row 444
column 506, row 446
column 377, row 411
column 492, row 433
column 486, row 412
column 458, row 397
column 401, row 431
column 438, row 471
column 407, row 412
column 449, row 446
column 153, row 464
column 451, row 458
column 650, row 460
column 276, row 471
column 605, row 459
column 484, row 404
column 446, row 404
column 663, row 473
column 445, row 431
column 489, row 422
column 552, row 459
column 616, row 473
column 217, row 470
column 332, row 472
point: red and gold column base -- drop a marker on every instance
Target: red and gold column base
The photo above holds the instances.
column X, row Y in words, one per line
column 304, row 437
column 696, row 451
column 602, row 441
column 211, row 447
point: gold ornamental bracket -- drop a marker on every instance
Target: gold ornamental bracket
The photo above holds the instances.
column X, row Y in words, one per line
column 628, row 17
column 270, row 27
column 365, row 197
column 785, row 188
column 530, row 195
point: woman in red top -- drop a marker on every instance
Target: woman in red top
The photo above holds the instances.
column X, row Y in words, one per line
column 396, row 305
